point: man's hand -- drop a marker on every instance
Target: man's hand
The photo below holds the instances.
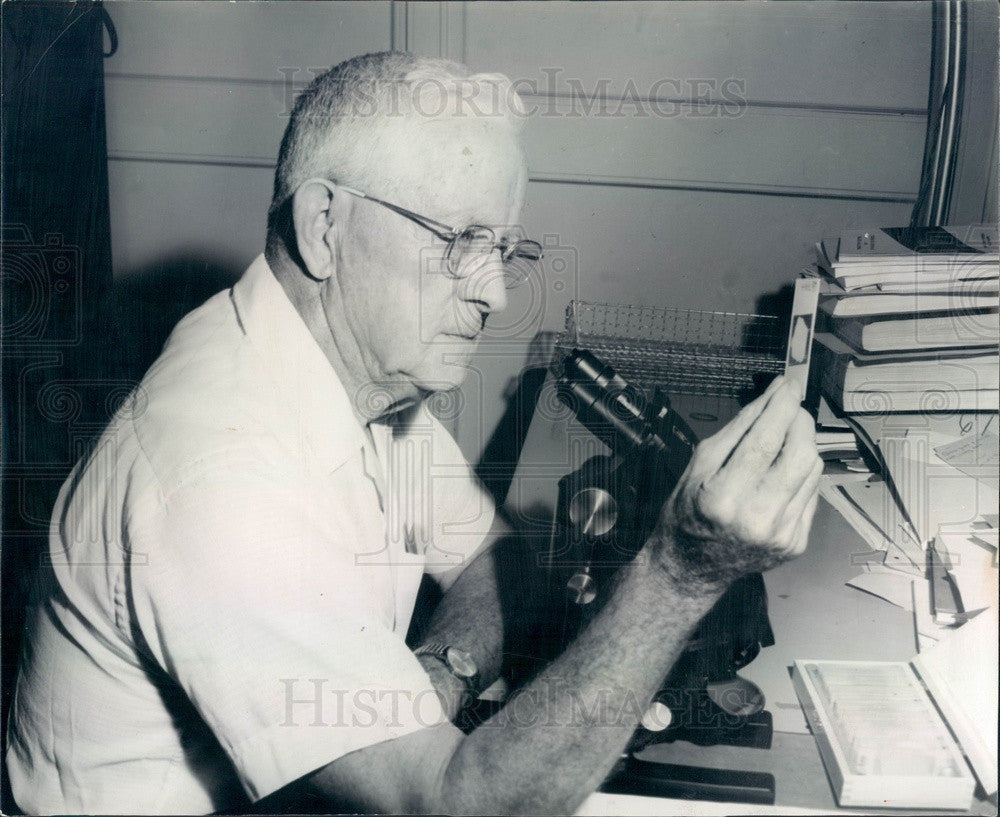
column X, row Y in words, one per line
column 746, row 501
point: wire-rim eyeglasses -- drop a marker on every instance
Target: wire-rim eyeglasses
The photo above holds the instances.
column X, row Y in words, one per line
column 520, row 257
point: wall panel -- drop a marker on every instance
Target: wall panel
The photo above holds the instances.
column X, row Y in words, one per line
column 165, row 212
column 243, row 41
column 817, row 153
column 852, row 54
column 686, row 209
column 197, row 99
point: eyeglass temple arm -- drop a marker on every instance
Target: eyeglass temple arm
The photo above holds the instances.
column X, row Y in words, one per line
column 440, row 229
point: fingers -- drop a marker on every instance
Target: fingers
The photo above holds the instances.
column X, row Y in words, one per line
column 764, row 489
column 763, row 441
column 754, row 483
column 796, row 519
column 803, row 528
column 786, row 488
column 797, row 458
column 806, row 491
column 716, row 449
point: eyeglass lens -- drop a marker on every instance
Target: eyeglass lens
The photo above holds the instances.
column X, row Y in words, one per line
column 520, row 258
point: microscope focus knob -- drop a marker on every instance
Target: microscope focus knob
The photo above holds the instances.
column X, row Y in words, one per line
column 583, row 587
column 657, row 717
column 736, row 695
column 593, row 511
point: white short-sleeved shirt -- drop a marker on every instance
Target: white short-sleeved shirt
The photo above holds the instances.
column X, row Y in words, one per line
column 234, row 569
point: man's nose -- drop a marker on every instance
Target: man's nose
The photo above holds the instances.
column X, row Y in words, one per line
column 485, row 285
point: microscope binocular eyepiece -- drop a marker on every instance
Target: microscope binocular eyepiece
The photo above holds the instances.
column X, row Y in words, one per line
column 611, row 408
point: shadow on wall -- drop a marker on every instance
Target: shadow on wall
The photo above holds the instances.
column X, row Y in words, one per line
column 64, row 402
column 778, row 303
column 144, row 305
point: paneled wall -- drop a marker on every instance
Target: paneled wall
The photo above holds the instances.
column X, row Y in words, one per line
column 198, row 97
column 682, row 154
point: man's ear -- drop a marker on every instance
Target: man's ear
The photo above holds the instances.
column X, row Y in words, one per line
column 316, row 226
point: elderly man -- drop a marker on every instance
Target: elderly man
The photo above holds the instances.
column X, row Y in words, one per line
column 235, row 565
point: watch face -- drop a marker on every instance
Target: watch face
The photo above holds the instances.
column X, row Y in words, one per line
column 460, row 662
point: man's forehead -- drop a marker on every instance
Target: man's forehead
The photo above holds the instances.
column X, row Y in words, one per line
column 467, row 167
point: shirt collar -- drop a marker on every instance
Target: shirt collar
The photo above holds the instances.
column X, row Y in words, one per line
column 308, row 389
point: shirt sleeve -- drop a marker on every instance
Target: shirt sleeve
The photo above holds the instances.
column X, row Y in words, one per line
column 250, row 597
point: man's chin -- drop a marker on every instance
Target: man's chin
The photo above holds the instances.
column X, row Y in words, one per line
column 450, row 370
column 446, row 380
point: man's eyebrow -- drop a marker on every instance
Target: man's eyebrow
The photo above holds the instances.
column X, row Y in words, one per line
column 466, row 218
column 459, row 219
column 456, row 219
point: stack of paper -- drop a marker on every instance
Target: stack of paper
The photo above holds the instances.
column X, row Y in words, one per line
column 835, row 444
column 968, row 558
column 932, row 512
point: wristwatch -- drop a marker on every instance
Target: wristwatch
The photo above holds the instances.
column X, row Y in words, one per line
column 458, row 662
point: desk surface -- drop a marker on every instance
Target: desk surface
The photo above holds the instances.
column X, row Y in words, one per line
column 813, row 615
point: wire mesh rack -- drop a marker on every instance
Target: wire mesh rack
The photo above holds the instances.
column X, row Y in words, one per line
column 685, row 351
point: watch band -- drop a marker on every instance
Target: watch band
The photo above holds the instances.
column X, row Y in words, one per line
column 437, row 650
column 458, row 662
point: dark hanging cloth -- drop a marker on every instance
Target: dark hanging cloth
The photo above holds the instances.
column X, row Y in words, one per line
column 56, row 266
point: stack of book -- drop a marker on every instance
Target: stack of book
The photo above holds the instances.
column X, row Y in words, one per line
column 910, row 319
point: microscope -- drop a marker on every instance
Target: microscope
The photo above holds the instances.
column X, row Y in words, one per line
column 607, row 508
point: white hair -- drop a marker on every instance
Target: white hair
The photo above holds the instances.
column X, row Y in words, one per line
column 349, row 117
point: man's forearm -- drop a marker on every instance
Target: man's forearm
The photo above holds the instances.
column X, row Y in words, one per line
column 469, row 616
column 557, row 737
column 560, row 735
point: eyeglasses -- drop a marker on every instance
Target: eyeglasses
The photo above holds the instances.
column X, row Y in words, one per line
column 520, row 257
